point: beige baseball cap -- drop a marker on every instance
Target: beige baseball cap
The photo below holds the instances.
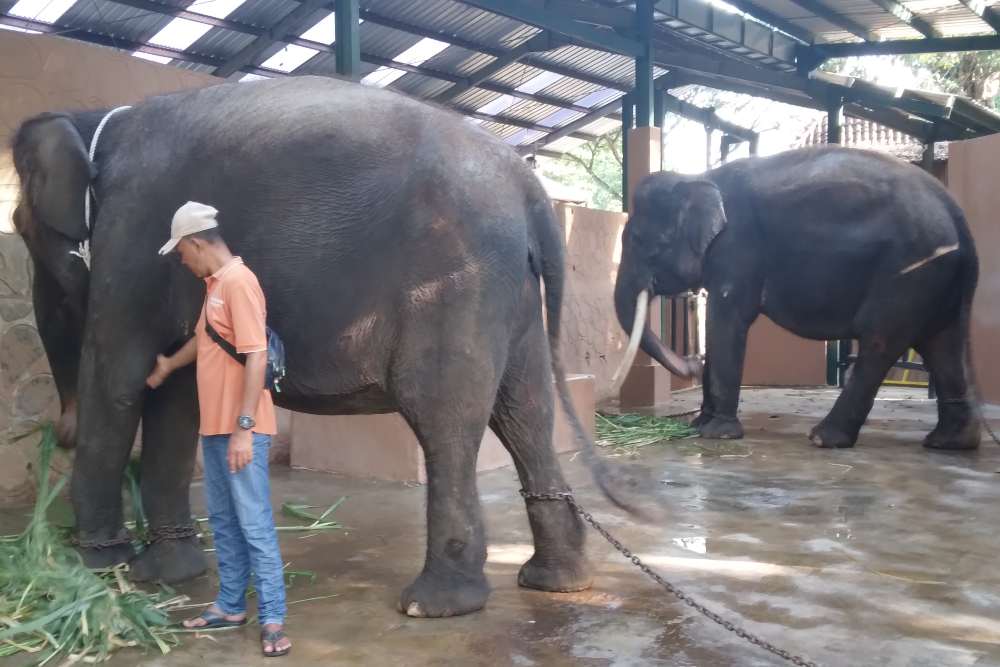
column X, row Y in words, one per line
column 190, row 218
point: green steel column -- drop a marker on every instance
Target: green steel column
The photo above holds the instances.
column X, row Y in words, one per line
column 835, row 121
column 659, row 108
column 644, row 64
column 837, row 351
column 348, row 42
column 659, row 118
column 628, row 115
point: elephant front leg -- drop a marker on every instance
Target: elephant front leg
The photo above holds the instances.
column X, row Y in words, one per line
column 107, row 427
column 169, row 445
column 707, row 409
column 727, row 341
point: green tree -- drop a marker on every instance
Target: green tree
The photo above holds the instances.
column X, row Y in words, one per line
column 974, row 74
column 594, row 167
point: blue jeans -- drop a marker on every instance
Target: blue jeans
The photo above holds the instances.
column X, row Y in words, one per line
column 239, row 511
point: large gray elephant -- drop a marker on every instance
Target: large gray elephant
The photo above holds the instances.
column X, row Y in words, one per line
column 829, row 243
column 401, row 251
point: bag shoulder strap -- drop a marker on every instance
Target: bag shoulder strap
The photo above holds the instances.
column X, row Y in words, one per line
column 223, row 343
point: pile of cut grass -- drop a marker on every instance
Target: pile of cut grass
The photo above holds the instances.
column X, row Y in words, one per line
column 629, row 432
column 53, row 606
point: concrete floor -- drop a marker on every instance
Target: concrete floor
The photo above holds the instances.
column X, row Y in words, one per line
column 881, row 555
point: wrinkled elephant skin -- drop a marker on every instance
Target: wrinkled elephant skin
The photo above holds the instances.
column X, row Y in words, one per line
column 829, row 243
column 402, row 253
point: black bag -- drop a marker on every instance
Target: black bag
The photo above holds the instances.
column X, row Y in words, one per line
column 275, row 371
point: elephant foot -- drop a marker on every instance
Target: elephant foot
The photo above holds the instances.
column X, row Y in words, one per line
column 566, row 575
column 435, row 596
column 721, row 428
column 105, row 557
column 964, row 439
column 702, row 419
column 827, row 436
column 958, row 426
column 170, row 561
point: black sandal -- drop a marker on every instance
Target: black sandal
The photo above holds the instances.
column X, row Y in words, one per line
column 273, row 637
column 214, row 620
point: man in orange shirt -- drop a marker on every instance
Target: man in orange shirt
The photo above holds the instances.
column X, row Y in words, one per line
column 237, row 422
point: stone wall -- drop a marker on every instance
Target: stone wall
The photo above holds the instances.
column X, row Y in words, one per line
column 39, row 74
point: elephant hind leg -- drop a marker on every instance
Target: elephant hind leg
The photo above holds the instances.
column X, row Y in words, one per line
column 445, row 392
column 841, row 427
column 946, row 355
column 522, row 419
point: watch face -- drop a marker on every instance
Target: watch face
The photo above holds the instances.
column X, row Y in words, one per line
column 246, row 423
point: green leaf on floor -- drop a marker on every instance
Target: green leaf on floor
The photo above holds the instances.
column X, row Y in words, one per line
column 52, row 606
column 626, row 433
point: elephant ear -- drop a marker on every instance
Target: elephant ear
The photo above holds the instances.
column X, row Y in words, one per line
column 53, row 163
column 702, row 214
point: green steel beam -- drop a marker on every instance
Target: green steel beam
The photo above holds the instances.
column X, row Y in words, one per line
column 817, row 54
column 707, row 117
column 609, row 17
column 836, row 18
column 348, row 43
column 644, row 64
column 902, row 13
column 628, row 118
column 538, row 15
column 911, row 125
column 727, row 68
column 293, row 21
column 769, row 18
column 989, row 15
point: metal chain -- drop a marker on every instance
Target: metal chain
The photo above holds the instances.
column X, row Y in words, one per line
column 670, row 588
column 163, row 533
column 123, row 537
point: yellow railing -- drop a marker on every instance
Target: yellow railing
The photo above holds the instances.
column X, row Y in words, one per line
column 906, row 381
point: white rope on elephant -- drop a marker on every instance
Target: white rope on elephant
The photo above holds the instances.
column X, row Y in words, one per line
column 83, row 250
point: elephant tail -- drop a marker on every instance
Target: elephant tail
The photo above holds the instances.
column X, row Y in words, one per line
column 968, row 280
column 624, row 486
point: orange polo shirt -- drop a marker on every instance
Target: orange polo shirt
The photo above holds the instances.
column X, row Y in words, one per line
column 234, row 304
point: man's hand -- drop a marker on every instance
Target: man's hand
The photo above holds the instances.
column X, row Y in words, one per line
column 161, row 372
column 240, row 452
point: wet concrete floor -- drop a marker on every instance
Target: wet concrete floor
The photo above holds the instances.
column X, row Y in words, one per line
column 880, row 555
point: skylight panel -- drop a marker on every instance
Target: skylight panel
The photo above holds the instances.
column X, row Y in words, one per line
column 46, row 11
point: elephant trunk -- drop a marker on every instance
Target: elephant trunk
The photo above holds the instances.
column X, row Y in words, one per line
column 631, row 305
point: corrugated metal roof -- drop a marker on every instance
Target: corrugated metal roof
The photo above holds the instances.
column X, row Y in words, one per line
column 481, row 35
column 456, row 18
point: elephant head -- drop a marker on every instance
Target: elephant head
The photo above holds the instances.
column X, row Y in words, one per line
column 672, row 224
column 55, row 172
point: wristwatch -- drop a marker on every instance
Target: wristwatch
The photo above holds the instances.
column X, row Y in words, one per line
column 245, row 422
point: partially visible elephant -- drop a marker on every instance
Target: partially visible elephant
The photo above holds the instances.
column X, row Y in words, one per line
column 402, row 253
column 829, row 243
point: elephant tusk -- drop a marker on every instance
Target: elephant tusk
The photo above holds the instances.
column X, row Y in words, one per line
column 638, row 324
